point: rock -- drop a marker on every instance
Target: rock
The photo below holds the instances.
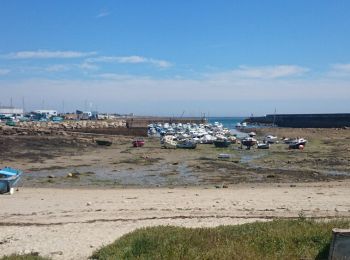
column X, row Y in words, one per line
column 292, row 185
column 88, row 203
column 225, row 186
column 51, row 176
column 57, row 253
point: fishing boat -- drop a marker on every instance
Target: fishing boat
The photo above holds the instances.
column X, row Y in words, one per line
column 104, row 142
column 138, row 142
column 9, row 178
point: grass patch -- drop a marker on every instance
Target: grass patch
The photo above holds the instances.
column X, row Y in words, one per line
column 278, row 239
column 32, row 256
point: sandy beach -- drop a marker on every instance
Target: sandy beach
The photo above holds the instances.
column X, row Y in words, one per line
column 72, row 223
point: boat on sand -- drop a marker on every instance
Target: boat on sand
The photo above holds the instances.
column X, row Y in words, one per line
column 9, row 178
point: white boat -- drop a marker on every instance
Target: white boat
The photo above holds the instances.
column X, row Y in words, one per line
column 169, row 142
column 270, row 139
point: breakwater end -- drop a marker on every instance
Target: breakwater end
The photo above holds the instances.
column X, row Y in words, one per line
column 338, row 120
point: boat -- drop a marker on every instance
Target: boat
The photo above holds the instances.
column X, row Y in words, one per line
column 252, row 134
column 270, row 139
column 9, row 178
column 138, row 142
column 222, row 143
column 186, row 144
column 169, row 142
column 104, row 142
column 263, row 145
column 298, row 143
column 249, row 142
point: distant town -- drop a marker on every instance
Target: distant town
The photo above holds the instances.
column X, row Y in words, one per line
column 15, row 114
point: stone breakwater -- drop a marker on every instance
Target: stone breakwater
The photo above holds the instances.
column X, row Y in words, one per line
column 62, row 128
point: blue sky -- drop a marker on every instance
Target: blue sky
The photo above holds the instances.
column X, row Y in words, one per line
column 166, row 57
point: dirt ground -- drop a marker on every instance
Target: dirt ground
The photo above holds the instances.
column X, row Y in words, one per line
column 47, row 161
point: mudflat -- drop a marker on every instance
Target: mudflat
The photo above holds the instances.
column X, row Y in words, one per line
column 48, row 160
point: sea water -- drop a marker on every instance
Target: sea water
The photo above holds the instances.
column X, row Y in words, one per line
column 228, row 122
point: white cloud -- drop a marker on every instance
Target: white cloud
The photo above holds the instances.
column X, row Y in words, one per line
column 265, row 72
column 58, row 68
column 130, row 59
column 44, row 54
column 103, row 13
column 340, row 70
column 4, row 71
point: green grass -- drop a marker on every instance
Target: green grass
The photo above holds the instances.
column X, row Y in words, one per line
column 278, row 239
column 23, row 257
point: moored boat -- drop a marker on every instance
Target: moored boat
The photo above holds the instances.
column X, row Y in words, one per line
column 9, row 178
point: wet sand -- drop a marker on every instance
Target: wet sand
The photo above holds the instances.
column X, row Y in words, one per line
column 72, row 223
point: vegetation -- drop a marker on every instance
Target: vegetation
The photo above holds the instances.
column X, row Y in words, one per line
column 278, row 239
column 32, row 256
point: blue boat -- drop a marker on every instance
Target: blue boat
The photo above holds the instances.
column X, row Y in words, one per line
column 9, row 177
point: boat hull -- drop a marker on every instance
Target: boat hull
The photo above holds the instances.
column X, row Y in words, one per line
column 8, row 183
column 222, row 144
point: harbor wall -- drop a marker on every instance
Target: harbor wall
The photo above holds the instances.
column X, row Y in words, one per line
column 304, row 120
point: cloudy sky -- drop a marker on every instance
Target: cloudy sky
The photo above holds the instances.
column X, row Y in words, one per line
column 225, row 58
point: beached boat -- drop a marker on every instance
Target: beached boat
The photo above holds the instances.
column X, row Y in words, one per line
column 104, row 142
column 263, row 145
column 249, row 142
column 252, row 134
column 298, row 143
column 139, row 142
column 169, row 142
column 186, row 144
column 270, row 139
column 222, row 143
column 9, row 178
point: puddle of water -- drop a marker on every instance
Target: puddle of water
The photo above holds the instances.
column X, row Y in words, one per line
column 155, row 175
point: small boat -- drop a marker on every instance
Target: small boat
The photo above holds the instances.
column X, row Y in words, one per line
column 9, row 177
column 249, row 142
column 138, row 142
column 186, row 144
column 270, row 139
column 224, row 156
column 298, row 143
column 222, row 143
column 252, row 134
column 169, row 142
column 263, row 145
column 104, row 142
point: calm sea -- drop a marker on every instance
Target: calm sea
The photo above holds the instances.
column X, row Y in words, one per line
column 228, row 122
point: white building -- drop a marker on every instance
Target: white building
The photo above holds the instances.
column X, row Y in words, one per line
column 11, row 111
